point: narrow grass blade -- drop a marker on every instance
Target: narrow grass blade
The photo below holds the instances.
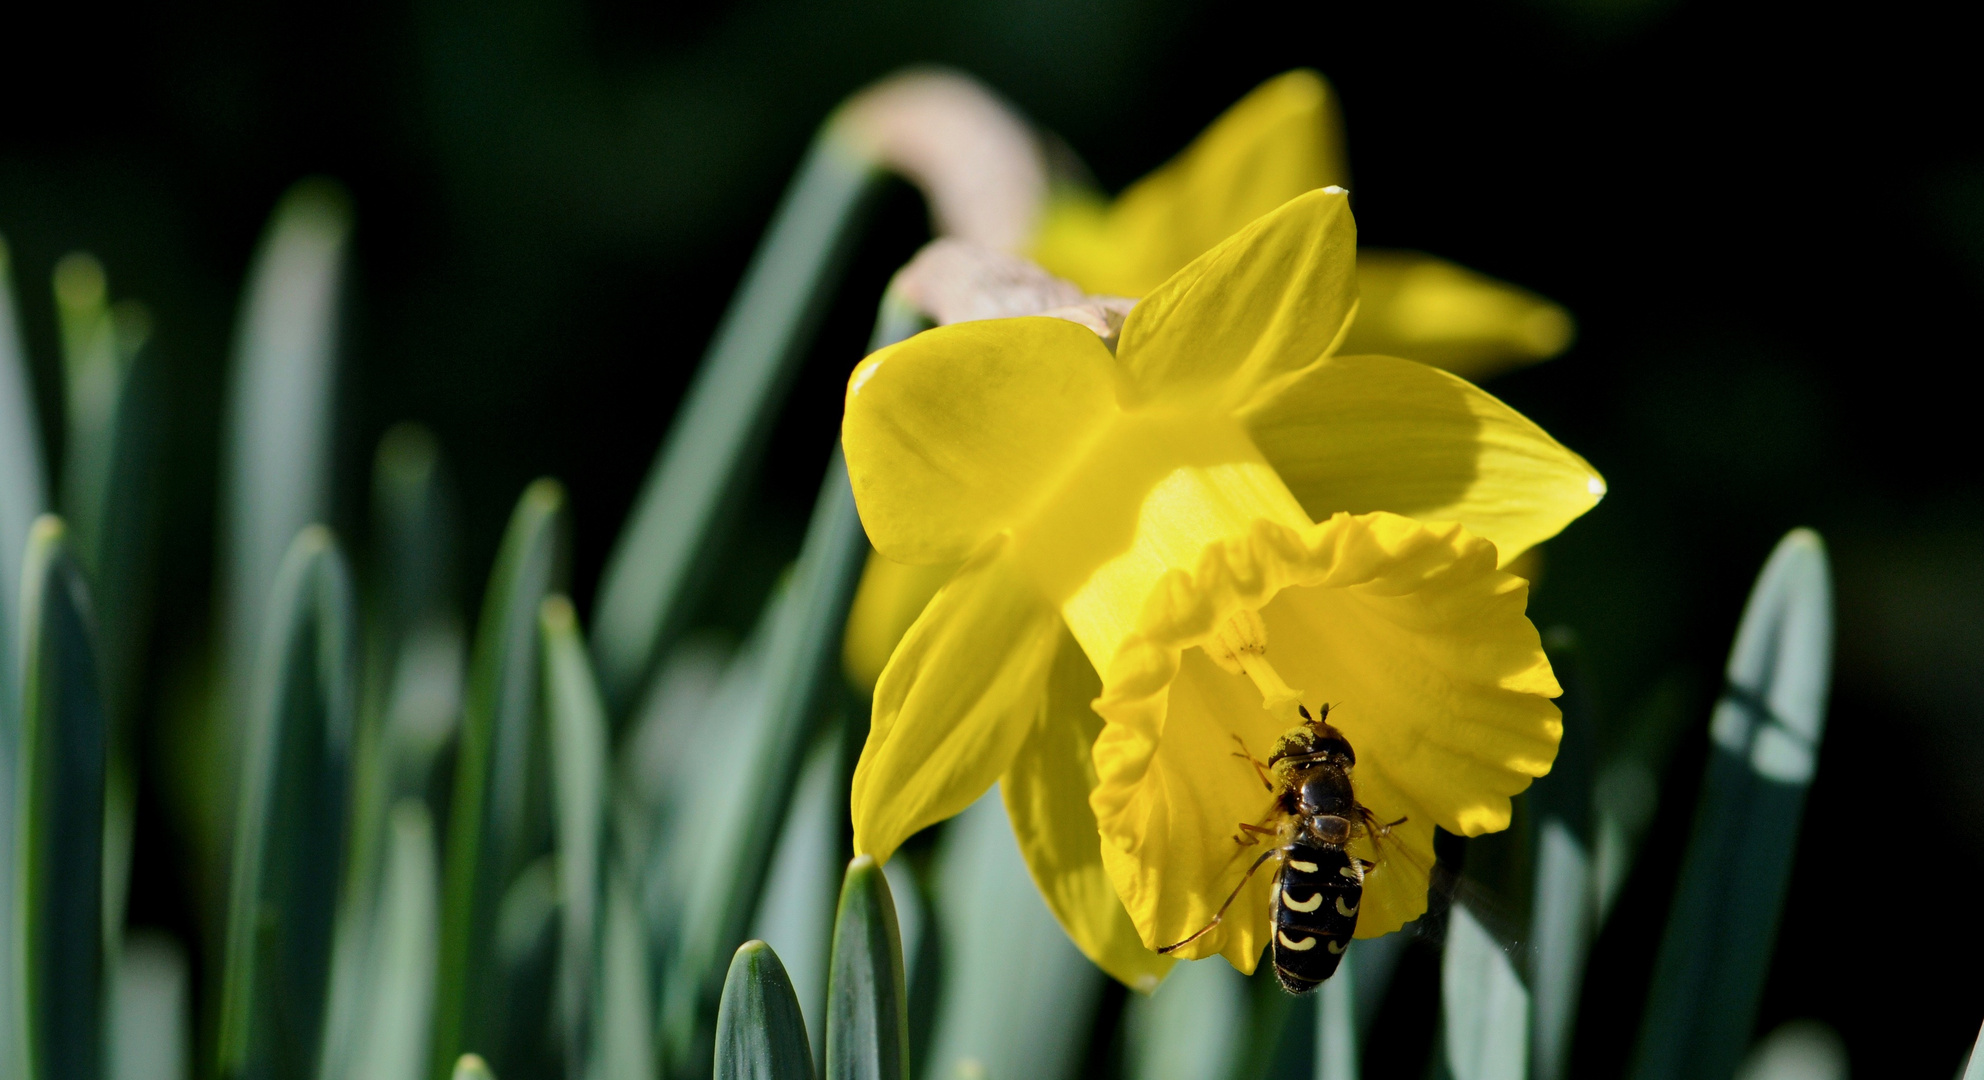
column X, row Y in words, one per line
column 1376, row 961
column 800, row 658
column 1716, row 950
column 1973, row 1066
column 701, row 820
column 110, row 472
column 796, row 912
column 23, row 481
column 1484, row 1005
column 93, row 374
column 680, row 514
column 413, row 529
column 867, row 1007
column 520, row 994
column 415, row 648
column 151, row 1013
column 1797, row 1050
column 397, row 997
column 1564, row 898
column 1019, row 998
column 671, row 776
column 1626, row 791
column 922, row 954
column 494, row 829
column 58, row 974
column 624, row 1006
column 277, row 434
column 1337, row 1035
column 1192, row 1028
column 1561, row 926
column 1343, row 1012
column 23, row 497
column 760, row 1033
column 576, row 733
column 289, row 842
column 410, row 703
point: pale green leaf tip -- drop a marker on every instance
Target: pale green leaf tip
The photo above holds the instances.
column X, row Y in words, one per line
column 558, row 615
column 545, row 495
column 472, row 1067
column 319, row 201
column 47, row 529
column 79, row 281
column 315, row 538
column 409, row 447
column 1803, row 537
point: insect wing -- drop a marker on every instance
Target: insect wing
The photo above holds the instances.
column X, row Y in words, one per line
column 1447, row 886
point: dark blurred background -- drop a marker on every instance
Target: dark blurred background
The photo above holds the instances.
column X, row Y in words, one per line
column 1769, row 222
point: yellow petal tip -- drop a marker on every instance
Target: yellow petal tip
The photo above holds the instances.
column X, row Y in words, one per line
column 1546, row 331
column 1146, row 984
column 1595, row 485
column 862, row 373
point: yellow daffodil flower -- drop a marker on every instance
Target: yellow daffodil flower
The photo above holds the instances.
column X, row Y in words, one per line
column 1279, row 141
column 1124, row 513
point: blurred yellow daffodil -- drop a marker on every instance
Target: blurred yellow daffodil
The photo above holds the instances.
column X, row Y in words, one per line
column 1117, row 513
column 1279, row 141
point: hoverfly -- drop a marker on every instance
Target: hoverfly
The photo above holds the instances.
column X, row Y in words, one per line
column 1319, row 884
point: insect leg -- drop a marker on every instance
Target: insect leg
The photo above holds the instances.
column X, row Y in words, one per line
column 1259, row 768
column 1371, row 822
column 1221, row 913
column 1248, row 832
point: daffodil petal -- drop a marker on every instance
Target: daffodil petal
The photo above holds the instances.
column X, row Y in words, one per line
column 1046, row 791
column 1363, row 433
column 1439, row 682
column 955, row 702
column 1252, row 313
column 953, row 434
column 886, row 603
column 1441, row 313
column 1282, row 139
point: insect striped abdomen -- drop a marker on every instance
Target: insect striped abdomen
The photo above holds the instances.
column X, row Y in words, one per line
column 1315, row 911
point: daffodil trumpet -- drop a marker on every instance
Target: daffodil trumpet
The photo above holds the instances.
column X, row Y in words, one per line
column 1136, row 531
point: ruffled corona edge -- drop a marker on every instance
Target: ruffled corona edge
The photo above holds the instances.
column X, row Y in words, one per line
column 1441, row 684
